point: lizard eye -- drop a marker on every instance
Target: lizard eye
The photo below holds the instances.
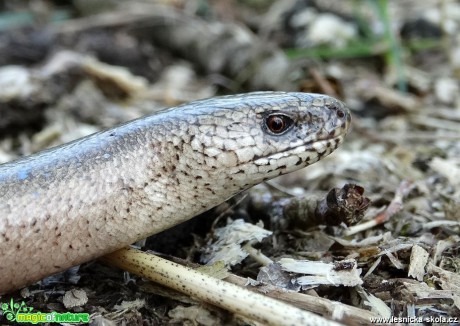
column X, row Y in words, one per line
column 278, row 123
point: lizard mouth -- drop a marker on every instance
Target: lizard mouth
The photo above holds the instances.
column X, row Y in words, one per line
column 302, row 154
column 307, row 152
column 324, row 143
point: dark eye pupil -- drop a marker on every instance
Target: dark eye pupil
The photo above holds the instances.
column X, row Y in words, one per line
column 278, row 123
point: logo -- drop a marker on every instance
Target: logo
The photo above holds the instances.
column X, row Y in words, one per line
column 20, row 313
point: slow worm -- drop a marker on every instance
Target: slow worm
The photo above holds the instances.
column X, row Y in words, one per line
column 73, row 203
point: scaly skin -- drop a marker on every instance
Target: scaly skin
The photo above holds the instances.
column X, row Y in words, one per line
column 73, row 203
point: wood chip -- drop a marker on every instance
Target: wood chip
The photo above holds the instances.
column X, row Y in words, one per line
column 418, row 261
